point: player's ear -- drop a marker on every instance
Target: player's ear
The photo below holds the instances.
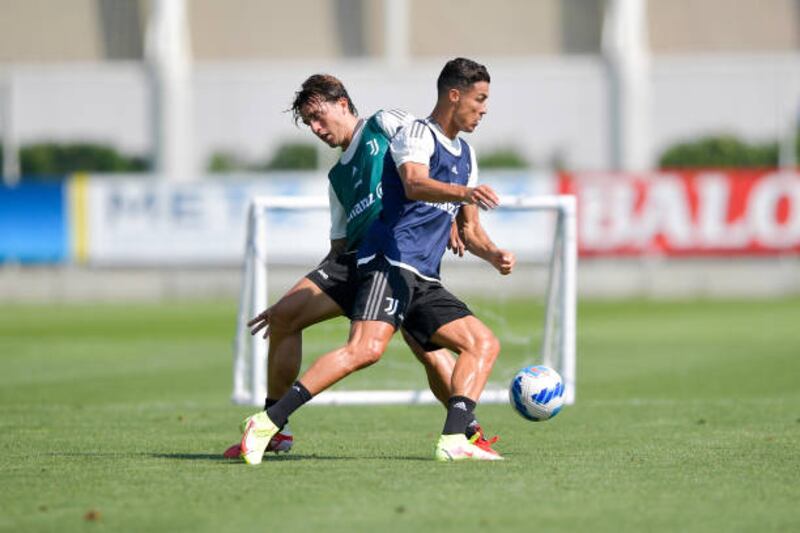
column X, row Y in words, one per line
column 343, row 104
column 454, row 95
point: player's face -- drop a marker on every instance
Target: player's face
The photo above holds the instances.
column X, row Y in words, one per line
column 328, row 121
column 471, row 105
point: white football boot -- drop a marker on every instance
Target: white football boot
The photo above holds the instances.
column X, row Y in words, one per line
column 458, row 448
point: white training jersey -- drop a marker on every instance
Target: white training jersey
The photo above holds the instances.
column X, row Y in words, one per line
column 406, row 148
column 391, row 122
column 413, row 234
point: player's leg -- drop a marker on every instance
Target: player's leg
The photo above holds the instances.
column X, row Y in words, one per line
column 382, row 297
column 478, row 349
column 304, row 305
column 381, row 300
column 323, row 293
column 438, row 365
column 366, row 344
column 438, row 318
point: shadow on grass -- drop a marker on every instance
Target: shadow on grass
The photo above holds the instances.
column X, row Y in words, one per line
column 281, row 458
column 218, row 458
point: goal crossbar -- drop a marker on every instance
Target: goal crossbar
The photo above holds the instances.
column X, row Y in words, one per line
column 558, row 341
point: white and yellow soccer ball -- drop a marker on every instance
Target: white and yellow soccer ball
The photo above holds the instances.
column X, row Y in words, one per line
column 537, row 393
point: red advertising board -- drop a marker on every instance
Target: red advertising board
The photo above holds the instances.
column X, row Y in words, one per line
column 687, row 213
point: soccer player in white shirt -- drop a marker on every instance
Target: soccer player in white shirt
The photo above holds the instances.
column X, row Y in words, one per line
column 329, row 290
column 399, row 265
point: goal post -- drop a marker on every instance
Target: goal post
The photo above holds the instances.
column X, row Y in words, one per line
column 558, row 331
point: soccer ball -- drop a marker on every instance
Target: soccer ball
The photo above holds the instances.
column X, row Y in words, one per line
column 537, row 393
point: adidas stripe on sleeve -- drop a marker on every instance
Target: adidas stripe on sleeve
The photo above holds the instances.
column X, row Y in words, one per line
column 413, row 144
column 393, row 120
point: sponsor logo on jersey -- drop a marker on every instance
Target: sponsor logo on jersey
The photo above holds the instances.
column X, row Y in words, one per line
column 450, row 207
column 361, row 206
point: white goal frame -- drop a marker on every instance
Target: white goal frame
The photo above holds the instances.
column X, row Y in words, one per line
column 558, row 341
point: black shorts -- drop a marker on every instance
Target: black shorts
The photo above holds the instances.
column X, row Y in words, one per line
column 338, row 278
column 401, row 298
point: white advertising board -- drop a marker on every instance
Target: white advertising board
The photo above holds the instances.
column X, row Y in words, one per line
column 142, row 222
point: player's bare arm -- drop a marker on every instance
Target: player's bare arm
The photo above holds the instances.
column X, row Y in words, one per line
column 477, row 241
column 418, row 185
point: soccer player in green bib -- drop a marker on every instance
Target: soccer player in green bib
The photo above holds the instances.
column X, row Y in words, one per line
column 354, row 189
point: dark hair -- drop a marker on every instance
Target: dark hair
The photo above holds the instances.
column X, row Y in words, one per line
column 320, row 88
column 461, row 73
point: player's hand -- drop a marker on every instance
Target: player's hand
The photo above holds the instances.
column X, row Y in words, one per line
column 483, row 196
column 504, row 261
column 260, row 322
column 455, row 243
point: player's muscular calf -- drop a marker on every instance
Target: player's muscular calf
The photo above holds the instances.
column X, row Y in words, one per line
column 478, row 349
column 439, row 366
column 305, row 304
column 367, row 342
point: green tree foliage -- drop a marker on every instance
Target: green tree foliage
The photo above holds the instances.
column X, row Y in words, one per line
column 293, row 156
column 222, row 162
column 722, row 151
column 53, row 160
column 288, row 156
column 502, row 158
column 58, row 159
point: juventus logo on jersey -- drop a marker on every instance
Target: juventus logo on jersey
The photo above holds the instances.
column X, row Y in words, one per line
column 373, row 147
column 391, row 306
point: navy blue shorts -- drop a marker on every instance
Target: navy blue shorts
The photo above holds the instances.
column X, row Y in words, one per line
column 399, row 297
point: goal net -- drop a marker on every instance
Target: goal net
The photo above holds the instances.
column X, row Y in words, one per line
column 532, row 311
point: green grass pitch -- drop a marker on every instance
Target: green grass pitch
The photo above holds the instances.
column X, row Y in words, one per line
column 113, row 418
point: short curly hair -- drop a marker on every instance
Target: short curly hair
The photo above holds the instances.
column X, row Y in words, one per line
column 317, row 89
column 460, row 73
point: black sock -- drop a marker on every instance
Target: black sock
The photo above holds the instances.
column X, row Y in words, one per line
column 288, row 404
column 269, row 402
column 459, row 415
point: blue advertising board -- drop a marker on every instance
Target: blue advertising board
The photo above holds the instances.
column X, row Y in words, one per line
column 33, row 226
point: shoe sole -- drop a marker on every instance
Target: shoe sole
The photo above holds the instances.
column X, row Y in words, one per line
column 444, row 456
